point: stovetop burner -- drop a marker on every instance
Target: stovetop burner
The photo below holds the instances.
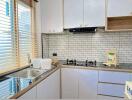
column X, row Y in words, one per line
column 81, row 63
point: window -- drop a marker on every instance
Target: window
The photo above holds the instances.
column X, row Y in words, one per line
column 25, row 34
column 7, row 56
column 16, row 38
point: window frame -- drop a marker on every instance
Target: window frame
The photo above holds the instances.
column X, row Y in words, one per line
column 33, row 30
column 15, row 36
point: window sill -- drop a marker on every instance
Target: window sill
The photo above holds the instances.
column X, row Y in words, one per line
column 11, row 70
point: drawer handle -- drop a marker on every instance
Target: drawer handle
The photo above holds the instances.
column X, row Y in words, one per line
column 110, row 83
column 110, row 95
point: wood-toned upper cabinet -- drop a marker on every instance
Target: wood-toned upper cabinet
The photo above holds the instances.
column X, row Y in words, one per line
column 51, row 16
column 94, row 13
column 116, row 8
column 73, row 13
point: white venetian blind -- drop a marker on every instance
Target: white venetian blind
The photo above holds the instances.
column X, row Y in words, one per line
column 7, row 51
column 25, row 34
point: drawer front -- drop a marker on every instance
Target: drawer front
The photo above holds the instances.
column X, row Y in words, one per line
column 111, row 89
column 113, row 77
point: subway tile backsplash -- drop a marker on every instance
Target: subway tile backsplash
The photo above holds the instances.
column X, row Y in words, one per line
column 91, row 46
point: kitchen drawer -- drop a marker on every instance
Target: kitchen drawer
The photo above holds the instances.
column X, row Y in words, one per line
column 111, row 89
column 113, row 77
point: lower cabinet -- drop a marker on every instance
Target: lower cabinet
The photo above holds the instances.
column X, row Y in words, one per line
column 50, row 87
column 72, row 83
column 112, row 83
column 93, row 84
column 79, row 83
column 88, row 80
column 31, row 94
column 69, row 83
column 47, row 89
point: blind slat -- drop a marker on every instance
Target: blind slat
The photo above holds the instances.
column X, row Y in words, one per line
column 6, row 31
column 25, row 36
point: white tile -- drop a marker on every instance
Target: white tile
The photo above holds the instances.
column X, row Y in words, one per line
column 90, row 46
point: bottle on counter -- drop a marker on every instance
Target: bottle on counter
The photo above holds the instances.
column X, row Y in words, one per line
column 55, row 60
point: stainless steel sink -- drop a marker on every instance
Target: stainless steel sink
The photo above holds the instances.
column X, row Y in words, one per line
column 29, row 73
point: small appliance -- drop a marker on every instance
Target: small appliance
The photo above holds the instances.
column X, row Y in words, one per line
column 111, row 58
column 86, row 63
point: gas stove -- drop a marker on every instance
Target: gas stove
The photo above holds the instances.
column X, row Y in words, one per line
column 86, row 63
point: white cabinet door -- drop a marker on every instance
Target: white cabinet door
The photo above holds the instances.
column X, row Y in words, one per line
column 50, row 87
column 73, row 13
column 69, row 83
column 119, row 8
column 51, row 16
column 94, row 13
column 31, row 94
column 88, row 80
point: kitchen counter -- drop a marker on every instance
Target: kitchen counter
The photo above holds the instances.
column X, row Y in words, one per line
column 12, row 93
column 27, row 87
column 121, row 68
column 11, row 70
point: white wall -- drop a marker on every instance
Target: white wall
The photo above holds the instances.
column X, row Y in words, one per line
column 90, row 46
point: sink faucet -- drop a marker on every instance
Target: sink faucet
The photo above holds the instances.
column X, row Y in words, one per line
column 29, row 60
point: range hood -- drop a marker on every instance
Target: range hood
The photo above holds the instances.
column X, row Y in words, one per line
column 83, row 30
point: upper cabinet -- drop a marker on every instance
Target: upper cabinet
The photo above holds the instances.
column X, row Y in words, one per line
column 118, row 8
column 51, row 16
column 119, row 15
column 84, row 13
column 73, row 13
column 56, row 15
column 94, row 13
